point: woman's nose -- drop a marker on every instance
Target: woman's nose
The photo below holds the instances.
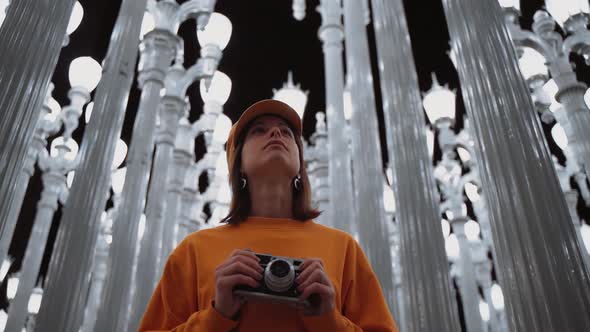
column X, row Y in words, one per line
column 275, row 131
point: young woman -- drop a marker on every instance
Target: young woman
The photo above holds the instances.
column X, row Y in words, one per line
column 270, row 213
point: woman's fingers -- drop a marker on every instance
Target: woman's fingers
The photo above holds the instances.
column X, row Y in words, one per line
column 246, row 257
column 324, row 291
column 227, row 283
column 307, row 269
column 240, row 267
column 316, row 276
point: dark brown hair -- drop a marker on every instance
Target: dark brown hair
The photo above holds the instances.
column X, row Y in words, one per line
column 240, row 201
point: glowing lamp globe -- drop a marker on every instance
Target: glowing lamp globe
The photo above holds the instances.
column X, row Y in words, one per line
column 5, row 267
column 532, row 63
column 497, row 297
column 292, row 95
column 88, row 112
column 71, row 148
column 222, row 128
column 452, row 247
column 12, row 287
column 85, row 72
column 219, row 90
column 3, row 319
column 118, row 180
column 510, row 4
column 148, row 24
column 472, row 230
column 472, row 192
column 562, row 10
column 559, row 136
column 484, row 311
column 439, row 102
column 75, row 18
column 217, row 31
column 35, row 301
column 120, row 154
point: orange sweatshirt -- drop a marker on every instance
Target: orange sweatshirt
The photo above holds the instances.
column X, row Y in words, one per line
column 183, row 298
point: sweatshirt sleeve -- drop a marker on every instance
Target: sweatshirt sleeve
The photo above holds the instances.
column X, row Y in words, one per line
column 174, row 303
column 363, row 304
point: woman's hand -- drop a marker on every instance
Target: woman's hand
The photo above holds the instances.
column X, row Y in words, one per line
column 315, row 285
column 241, row 268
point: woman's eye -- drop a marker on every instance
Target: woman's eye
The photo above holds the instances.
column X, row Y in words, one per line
column 258, row 130
column 286, row 131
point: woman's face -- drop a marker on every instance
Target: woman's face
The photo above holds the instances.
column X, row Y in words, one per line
column 270, row 149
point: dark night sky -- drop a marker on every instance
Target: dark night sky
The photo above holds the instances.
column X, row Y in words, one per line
column 266, row 42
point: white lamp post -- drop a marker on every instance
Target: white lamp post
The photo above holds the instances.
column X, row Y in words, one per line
column 292, row 95
column 54, row 166
column 48, row 124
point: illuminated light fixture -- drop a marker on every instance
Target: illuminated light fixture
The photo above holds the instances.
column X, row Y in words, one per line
column 85, row 72
column 75, row 18
column 222, row 128
column 532, row 63
column 439, row 102
column 118, row 180
column 562, row 10
column 217, row 31
column 292, row 95
column 219, row 90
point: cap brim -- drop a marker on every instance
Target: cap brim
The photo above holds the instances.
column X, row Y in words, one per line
column 263, row 107
column 268, row 107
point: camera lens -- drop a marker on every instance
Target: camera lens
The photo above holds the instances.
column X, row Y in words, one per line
column 280, row 268
column 279, row 275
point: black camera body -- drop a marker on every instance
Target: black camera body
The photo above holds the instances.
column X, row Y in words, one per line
column 278, row 282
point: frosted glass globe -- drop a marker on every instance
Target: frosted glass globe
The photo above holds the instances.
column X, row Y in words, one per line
column 216, row 32
column 75, row 18
column 219, row 90
column 85, row 72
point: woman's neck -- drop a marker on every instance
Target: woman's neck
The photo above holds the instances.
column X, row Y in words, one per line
column 271, row 199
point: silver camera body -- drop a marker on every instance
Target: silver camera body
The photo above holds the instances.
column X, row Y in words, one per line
column 278, row 283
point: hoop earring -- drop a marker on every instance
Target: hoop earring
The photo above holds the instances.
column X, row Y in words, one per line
column 243, row 182
column 297, row 183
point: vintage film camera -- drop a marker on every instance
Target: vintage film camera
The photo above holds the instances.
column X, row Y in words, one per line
column 278, row 282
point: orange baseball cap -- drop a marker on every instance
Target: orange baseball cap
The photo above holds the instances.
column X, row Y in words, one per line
column 263, row 107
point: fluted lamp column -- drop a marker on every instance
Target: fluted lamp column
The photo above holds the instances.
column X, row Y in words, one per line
column 62, row 308
column 157, row 50
column 171, row 108
column 49, row 124
column 25, row 73
column 54, row 183
column 341, row 213
column 535, row 241
column 209, row 123
column 367, row 169
column 427, row 298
